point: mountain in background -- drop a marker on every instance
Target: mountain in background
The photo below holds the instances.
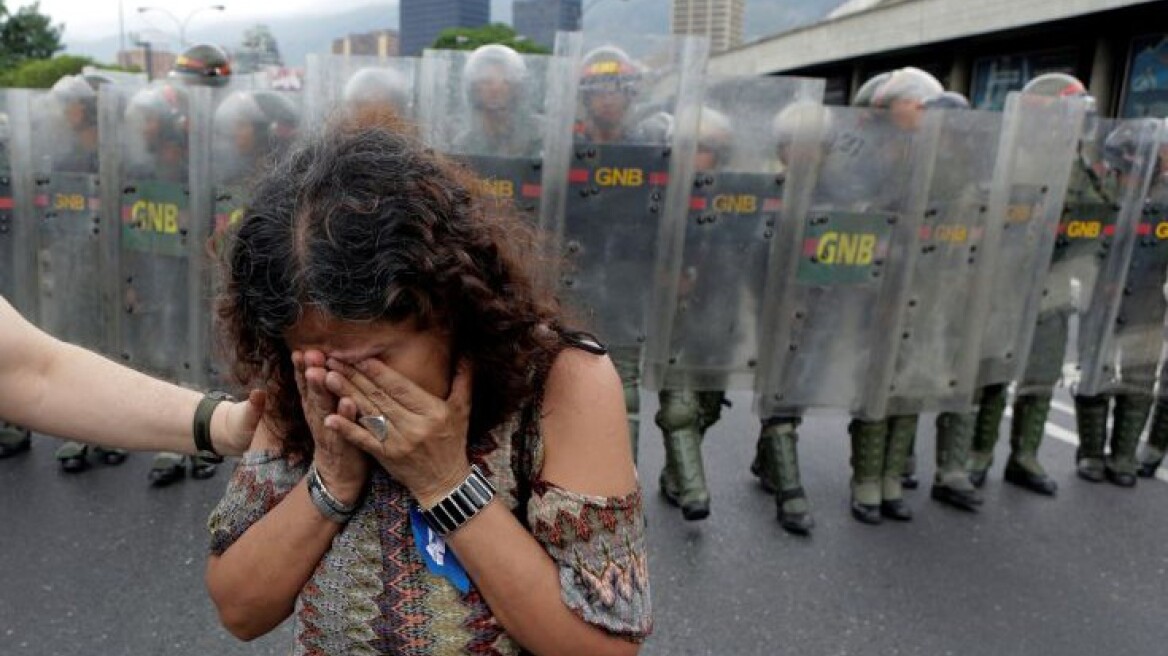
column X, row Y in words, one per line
column 301, row 34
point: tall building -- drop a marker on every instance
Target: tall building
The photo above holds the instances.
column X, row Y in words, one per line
column 378, row 43
column 423, row 20
column 720, row 20
column 538, row 20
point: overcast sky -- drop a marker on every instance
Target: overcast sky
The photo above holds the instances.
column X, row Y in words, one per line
column 90, row 19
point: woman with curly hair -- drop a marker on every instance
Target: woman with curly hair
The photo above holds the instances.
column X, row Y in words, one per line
column 443, row 467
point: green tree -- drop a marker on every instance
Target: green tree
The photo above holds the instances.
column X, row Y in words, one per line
column 42, row 73
column 27, row 34
column 469, row 38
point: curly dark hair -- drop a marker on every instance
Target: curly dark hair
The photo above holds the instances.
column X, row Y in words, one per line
column 364, row 223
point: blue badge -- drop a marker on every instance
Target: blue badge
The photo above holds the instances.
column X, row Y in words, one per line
column 439, row 558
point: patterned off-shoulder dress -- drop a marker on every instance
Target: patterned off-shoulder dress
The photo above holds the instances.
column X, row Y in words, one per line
column 372, row 594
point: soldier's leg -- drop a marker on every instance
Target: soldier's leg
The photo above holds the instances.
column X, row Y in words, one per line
column 1091, row 421
column 990, row 410
column 167, row 468
column 73, row 457
column 1157, row 445
column 951, row 484
column 902, row 431
column 869, row 443
column 13, row 440
column 778, row 464
column 1026, row 431
column 683, row 479
column 1131, row 413
column 908, row 479
column 628, row 366
column 1032, row 404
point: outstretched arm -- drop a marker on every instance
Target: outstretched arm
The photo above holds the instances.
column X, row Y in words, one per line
column 64, row 390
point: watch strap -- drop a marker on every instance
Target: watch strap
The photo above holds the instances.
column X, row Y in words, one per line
column 461, row 504
column 204, row 447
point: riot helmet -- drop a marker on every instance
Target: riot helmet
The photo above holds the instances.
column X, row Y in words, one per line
column 608, row 78
column 378, row 87
column 948, row 100
column 77, row 99
column 493, row 77
column 1121, row 148
column 904, row 94
column 803, row 122
column 202, row 65
column 867, row 90
column 157, row 119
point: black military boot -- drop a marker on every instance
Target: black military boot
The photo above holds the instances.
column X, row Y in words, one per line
column 1131, row 413
column 683, row 479
column 1157, row 445
column 869, row 439
column 778, row 460
column 167, row 468
column 991, row 409
column 951, row 484
column 202, row 469
column 73, row 457
column 1091, row 420
column 1026, row 431
column 901, row 433
column 13, row 440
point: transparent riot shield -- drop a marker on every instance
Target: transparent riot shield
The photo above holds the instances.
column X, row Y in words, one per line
column 704, row 328
column 146, row 182
column 931, row 355
column 618, row 168
column 359, row 83
column 71, row 270
column 236, row 133
column 853, row 209
column 1121, row 331
column 1035, row 154
column 487, row 108
column 17, row 232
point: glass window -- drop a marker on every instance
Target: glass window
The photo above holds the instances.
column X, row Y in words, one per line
column 995, row 77
column 1145, row 89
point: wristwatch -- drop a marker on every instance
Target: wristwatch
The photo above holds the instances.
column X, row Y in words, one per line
column 204, row 448
column 461, row 504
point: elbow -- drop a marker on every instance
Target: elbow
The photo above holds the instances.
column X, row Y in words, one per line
column 238, row 626
column 243, row 615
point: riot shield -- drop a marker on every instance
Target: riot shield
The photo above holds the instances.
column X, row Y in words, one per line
column 852, row 209
column 145, row 176
column 1121, row 331
column 1035, row 154
column 72, row 297
column 930, row 358
column 17, row 233
column 359, row 83
column 704, row 332
column 487, row 109
column 618, row 160
column 238, row 133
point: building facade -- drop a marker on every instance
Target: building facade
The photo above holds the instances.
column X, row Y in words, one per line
column 1118, row 48
column 720, row 20
column 538, row 20
column 423, row 20
column 154, row 62
column 378, row 43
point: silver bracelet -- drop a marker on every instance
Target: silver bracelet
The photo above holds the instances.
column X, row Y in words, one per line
column 325, row 502
column 461, row 504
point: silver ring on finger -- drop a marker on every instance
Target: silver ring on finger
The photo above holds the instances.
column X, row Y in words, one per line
column 376, row 424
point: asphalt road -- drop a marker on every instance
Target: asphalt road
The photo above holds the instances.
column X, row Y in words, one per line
column 98, row 563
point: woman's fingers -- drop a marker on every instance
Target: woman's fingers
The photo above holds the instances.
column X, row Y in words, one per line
column 344, row 388
column 356, row 435
column 381, row 397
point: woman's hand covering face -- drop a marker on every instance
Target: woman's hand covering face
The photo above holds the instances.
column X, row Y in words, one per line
column 342, row 466
column 425, row 448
